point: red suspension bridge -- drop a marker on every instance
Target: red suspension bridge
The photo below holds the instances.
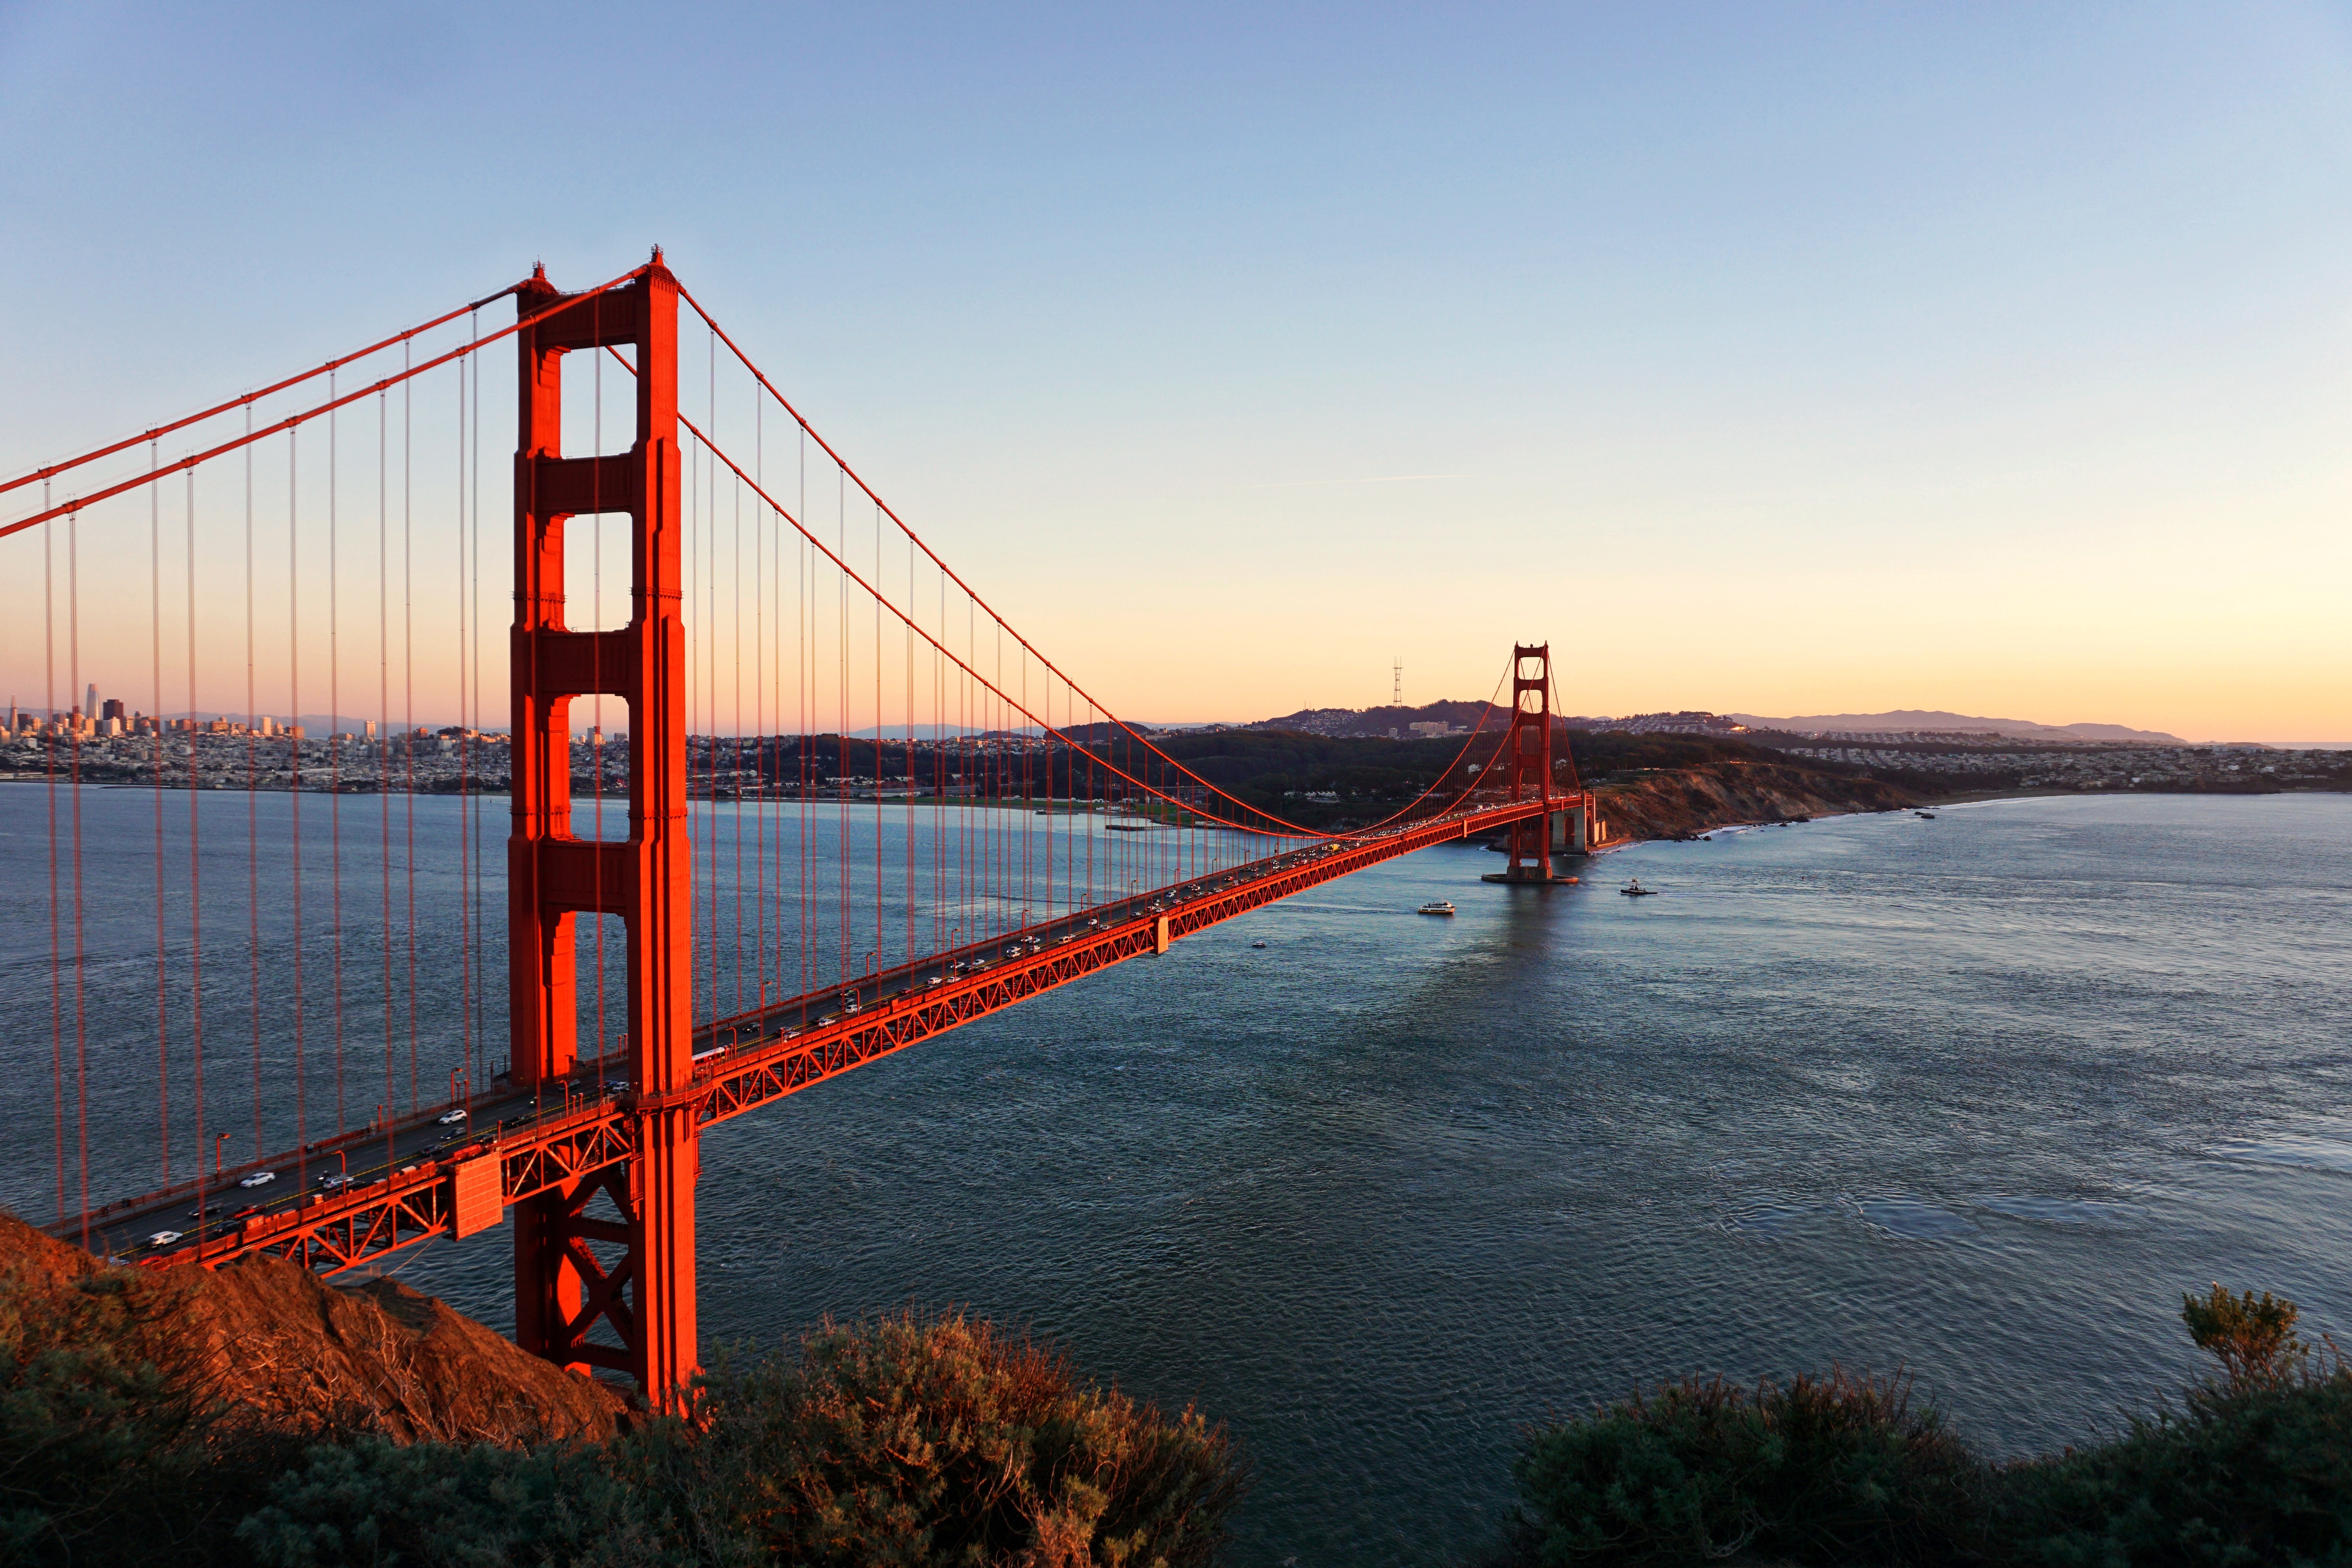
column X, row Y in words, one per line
column 841, row 807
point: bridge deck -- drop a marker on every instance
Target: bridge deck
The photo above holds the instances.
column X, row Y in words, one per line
column 419, row 1178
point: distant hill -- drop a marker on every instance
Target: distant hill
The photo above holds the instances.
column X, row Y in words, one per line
column 1921, row 719
column 1378, row 722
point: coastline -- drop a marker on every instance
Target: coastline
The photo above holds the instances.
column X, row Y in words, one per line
column 1654, row 813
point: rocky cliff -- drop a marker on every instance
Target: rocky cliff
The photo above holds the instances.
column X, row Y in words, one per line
column 1677, row 802
column 276, row 1346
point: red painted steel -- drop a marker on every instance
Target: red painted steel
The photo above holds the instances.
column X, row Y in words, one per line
column 551, row 1163
column 601, row 1176
column 1527, row 751
column 563, row 1291
column 158, row 432
column 280, row 428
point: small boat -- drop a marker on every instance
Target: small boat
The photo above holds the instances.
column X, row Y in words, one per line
column 1929, row 816
column 1436, row 907
column 1634, row 889
column 1257, row 944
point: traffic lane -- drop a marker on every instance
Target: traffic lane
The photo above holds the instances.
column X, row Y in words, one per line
column 227, row 1206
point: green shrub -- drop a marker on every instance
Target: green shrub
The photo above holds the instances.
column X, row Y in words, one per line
column 915, row 1440
column 1838, row 1469
column 433, row 1505
column 909, row 1440
column 2255, row 1469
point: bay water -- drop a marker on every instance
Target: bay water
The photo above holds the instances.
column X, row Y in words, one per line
column 1977, row 1096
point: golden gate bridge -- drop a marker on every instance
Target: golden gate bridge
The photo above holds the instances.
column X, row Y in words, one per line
column 949, row 825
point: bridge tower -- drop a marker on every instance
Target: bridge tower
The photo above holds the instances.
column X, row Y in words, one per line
column 1528, row 748
column 563, row 1290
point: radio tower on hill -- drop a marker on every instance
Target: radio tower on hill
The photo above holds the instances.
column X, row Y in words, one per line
column 1396, row 692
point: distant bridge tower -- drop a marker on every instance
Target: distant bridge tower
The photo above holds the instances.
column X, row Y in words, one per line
column 562, row 1290
column 1527, row 756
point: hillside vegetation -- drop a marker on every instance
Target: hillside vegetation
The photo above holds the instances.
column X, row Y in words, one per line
column 259, row 1416
column 2251, row 1467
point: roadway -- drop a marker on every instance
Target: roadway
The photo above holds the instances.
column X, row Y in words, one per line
column 850, row 1021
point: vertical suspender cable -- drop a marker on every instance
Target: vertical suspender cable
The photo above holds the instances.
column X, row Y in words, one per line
column 408, row 711
column 252, row 807
column 80, row 961
column 596, row 617
column 195, row 869
column 50, row 775
column 163, row 989
column 384, row 711
column 805, row 695
column 476, row 1071
column 841, row 724
column 335, row 739
column 464, row 725
column 736, row 700
column 759, row 711
column 875, row 959
column 907, row 817
column 596, row 702
column 294, row 785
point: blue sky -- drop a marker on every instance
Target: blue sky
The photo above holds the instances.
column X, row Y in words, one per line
column 1790, row 358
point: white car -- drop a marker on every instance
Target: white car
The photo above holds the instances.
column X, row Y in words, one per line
column 163, row 1238
column 333, row 1183
column 258, row 1178
column 453, row 1118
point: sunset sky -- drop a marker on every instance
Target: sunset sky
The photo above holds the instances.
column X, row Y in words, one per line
column 1781, row 360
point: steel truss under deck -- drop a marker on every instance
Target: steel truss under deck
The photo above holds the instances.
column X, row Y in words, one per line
column 569, row 1154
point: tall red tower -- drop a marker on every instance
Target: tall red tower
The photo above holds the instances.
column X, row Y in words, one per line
column 562, row 1288
column 1528, row 749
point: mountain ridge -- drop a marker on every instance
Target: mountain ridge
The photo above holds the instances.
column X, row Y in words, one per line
column 1938, row 719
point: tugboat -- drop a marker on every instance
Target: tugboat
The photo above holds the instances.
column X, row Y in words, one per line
column 1436, row 907
column 1634, row 890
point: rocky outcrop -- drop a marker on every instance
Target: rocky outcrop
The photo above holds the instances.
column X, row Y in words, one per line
column 275, row 1345
column 1677, row 803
